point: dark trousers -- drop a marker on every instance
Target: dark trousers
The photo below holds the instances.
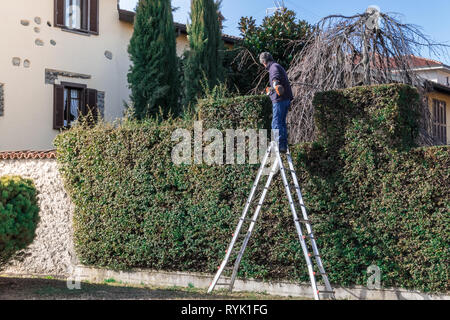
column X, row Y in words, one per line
column 280, row 110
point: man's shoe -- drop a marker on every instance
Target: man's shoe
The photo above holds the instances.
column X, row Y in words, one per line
column 283, row 150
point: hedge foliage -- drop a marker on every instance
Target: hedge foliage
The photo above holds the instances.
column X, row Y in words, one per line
column 19, row 215
column 373, row 198
column 232, row 113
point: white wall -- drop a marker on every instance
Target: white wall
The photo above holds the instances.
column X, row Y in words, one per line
column 429, row 75
column 435, row 76
column 442, row 77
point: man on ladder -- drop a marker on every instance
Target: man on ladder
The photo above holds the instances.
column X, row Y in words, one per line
column 281, row 95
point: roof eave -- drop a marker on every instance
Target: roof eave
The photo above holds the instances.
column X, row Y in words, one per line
column 125, row 15
column 432, row 68
column 438, row 87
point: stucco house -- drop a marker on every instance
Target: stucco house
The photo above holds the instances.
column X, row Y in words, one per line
column 59, row 57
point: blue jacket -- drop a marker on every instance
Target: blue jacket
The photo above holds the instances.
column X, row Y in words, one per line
column 277, row 72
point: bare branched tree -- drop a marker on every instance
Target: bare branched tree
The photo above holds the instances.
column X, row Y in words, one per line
column 364, row 49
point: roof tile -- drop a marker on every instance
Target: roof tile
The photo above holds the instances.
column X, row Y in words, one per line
column 12, row 155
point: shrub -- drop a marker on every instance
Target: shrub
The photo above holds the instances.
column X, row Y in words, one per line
column 19, row 215
column 276, row 34
column 371, row 200
column 153, row 75
column 204, row 58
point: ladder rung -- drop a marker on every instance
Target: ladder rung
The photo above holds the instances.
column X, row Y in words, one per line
column 324, row 291
column 247, row 219
column 240, row 234
column 222, row 284
column 303, row 221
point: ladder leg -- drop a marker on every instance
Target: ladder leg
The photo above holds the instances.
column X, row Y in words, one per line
column 241, row 220
column 308, row 226
column 252, row 224
column 297, row 225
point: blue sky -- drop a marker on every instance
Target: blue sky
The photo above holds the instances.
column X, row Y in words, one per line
column 432, row 15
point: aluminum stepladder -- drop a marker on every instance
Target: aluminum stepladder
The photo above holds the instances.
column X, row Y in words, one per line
column 277, row 165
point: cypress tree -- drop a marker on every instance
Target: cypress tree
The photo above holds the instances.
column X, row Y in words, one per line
column 204, row 60
column 153, row 75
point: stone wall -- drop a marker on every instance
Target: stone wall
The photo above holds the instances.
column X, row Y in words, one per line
column 52, row 252
column 51, row 76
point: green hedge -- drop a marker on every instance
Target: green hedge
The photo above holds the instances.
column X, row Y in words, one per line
column 240, row 112
column 372, row 199
column 377, row 200
column 19, row 215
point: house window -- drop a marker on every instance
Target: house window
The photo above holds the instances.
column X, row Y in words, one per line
column 72, row 100
column 74, row 17
column 78, row 15
column 439, row 121
column 448, row 81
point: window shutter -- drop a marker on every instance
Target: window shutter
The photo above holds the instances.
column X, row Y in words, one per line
column 58, row 107
column 85, row 15
column 91, row 105
column 93, row 16
column 440, row 121
column 59, row 13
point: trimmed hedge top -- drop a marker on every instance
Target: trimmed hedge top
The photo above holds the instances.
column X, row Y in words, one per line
column 371, row 201
column 390, row 112
column 252, row 112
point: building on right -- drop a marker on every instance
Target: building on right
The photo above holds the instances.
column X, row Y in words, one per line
column 437, row 75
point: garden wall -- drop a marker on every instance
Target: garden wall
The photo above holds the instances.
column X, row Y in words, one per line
column 51, row 252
